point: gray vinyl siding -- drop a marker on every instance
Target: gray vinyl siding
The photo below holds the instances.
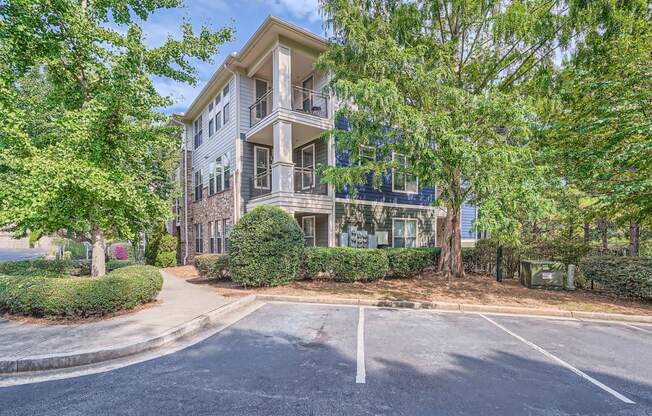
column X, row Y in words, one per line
column 222, row 142
column 246, row 100
column 374, row 218
column 321, row 228
column 248, row 168
column 321, row 152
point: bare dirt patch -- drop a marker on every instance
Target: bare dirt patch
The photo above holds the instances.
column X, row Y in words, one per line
column 474, row 289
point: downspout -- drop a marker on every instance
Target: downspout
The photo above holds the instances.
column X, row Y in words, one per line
column 238, row 151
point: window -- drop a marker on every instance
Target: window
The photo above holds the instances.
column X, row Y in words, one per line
column 211, row 179
column 211, row 240
column 307, row 85
column 227, row 232
column 198, row 185
column 210, row 107
column 226, row 171
column 403, row 181
column 261, row 167
column 404, row 232
column 198, row 132
column 367, row 154
column 211, row 128
column 219, row 177
column 218, row 236
column 225, row 92
column 225, row 113
column 261, row 88
column 308, row 167
column 199, row 238
column 217, row 100
column 308, row 225
column 218, row 120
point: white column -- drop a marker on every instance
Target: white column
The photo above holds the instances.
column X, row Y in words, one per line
column 282, row 166
column 281, row 77
column 331, row 230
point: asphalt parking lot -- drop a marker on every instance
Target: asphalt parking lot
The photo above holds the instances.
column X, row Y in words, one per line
column 287, row 359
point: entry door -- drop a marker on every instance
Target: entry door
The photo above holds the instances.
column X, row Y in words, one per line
column 307, row 94
column 262, row 171
column 308, row 167
column 261, row 90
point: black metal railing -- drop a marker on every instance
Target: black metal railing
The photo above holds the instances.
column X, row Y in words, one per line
column 309, row 102
column 260, row 185
column 261, row 108
column 306, row 181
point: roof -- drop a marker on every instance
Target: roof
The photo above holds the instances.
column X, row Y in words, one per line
column 268, row 31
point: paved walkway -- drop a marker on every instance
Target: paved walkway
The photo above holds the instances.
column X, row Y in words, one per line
column 13, row 254
column 180, row 302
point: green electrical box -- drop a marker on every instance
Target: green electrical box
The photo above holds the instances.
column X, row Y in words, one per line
column 542, row 274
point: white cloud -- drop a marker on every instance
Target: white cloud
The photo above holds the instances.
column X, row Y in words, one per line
column 302, row 9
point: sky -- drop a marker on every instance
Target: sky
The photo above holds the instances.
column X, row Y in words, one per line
column 244, row 15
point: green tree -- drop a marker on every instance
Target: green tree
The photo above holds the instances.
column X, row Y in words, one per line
column 442, row 82
column 84, row 150
column 601, row 137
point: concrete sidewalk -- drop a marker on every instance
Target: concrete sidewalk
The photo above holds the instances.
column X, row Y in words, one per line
column 183, row 307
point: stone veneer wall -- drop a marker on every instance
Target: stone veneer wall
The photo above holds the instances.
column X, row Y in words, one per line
column 211, row 208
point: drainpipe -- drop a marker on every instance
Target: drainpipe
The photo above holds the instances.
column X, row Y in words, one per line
column 238, row 146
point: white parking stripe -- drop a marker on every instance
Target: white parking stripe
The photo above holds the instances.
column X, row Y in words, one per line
column 640, row 329
column 562, row 362
column 361, row 375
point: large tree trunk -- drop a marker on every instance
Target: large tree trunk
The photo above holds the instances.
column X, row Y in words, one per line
column 445, row 255
column 98, row 266
column 633, row 239
column 457, row 267
column 450, row 259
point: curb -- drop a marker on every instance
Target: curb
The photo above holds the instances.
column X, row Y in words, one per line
column 52, row 362
column 461, row 307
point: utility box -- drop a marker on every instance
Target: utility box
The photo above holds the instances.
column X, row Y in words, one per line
column 542, row 274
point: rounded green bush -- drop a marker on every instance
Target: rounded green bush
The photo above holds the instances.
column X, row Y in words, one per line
column 38, row 296
column 266, row 248
column 623, row 276
column 408, row 262
column 212, row 266
column 166, row 259
column 345, row 264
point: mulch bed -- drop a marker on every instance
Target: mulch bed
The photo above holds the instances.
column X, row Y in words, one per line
column 474, row 289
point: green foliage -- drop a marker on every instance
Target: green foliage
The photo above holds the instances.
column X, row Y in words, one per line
column 118, row 264
column 410, row 262
column 161, row 250
column 77, row 250
column 624, row 276
column 213, row 266
column 80, row 297
column 36, row 267
column 266, row 248
column 84, row 145
column 345, row 264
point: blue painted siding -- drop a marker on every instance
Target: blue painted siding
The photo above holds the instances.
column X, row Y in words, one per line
column 468, row 216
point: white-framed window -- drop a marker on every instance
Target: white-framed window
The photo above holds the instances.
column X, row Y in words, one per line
column 198, row 132
column 210, row 106
column 261, row 87
column 218, row 236
column 211, row 179
column 198, row 182
column 199, row 238
column 403, row 181
column 218, row 121
column 227, row 233
column 306, row 99
column 404, row 232
column 367, row 154
column 308, row 225
column 226, row 171
column 226, row 113
column 261, row 167
column 211, row 238
column 308, row 167
column 211, row 127
column 218, row 99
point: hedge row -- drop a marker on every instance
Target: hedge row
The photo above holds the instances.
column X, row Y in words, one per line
column 624, row 276
column 213, row 266
column 40, row 296
column 36, row 267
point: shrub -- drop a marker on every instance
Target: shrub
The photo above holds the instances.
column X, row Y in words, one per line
column 161, row 243
column 118, row 264
column 36, row 267
column 624, row 276
column 120, row 252
column 345, row 264
column 214, row 266
column 38, row 296
column 81, row 268
column 266, row 248
column 408, row 262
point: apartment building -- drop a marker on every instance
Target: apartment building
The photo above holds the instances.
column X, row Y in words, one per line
column 253, row 136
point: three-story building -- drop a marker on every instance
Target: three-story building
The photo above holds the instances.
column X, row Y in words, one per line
column 254, row 136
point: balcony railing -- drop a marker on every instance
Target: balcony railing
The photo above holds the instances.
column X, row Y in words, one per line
column 309, row 102
column 260, row 185
column 306, row 181
column 303, row 101
column 261, row 108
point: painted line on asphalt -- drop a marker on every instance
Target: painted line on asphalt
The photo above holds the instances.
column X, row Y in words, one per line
column 640, row 329
column 361, row 375
column 562, row 362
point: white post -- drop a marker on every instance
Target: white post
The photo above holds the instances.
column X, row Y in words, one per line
column 281, row 77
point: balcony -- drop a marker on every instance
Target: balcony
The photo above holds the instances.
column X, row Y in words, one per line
column 304, row 101
column 306, row 181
